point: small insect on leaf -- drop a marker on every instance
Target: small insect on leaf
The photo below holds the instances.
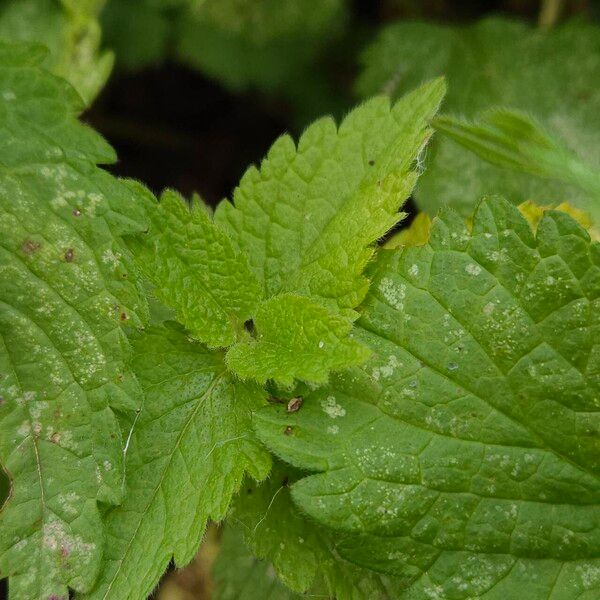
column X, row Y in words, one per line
column 294, row 404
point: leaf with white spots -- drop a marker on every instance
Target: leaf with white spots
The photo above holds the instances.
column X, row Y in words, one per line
column 190, row 447
column 465, row 457
column 67, row 285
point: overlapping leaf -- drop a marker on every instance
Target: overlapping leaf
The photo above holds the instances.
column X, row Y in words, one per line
column 308, row 217
column 302, row 554
column 66, row 287
column 551, row 74
column 295, row 338
column 190, row 446
column 196, row 270
column 513, row 140
column 465, row 458
column 240, row 576
column 307, row 221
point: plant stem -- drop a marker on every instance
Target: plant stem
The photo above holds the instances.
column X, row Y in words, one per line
column 550, row 11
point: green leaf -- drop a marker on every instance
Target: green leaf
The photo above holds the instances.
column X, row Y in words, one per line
column 296, row 338
column 514, row 140
column 196, row 270
column 302, row 553
column 263, row 43
column 240, row 576
column 308, row 218
column 70, row 30
column 190, row 447
column 307, row 222
column 138, row 31
column 465, row 458
column 551, row 74
column 67, row 285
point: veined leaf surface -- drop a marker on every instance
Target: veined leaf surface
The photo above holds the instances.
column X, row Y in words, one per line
column 466, row 457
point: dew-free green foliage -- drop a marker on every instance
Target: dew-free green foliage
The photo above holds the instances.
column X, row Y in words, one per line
column 196, row 270
column 550, row 74
column 302, row 553
column 308, row 218
column 444, row 438
column 273, row 46
column 70, row 30
column 239, row 575
column 190, row 446
column 296, row 338
column 67, row 285
column 464, row 458
column 265, row 44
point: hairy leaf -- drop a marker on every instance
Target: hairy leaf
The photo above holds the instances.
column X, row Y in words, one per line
column 240, row 576
column 189, row 449
column 296, row 338
column 67, row 284
column 70, row 30
column 466, row 457
column 308, row 217
column 551, row 74
column 302, row 553
column 196, row 270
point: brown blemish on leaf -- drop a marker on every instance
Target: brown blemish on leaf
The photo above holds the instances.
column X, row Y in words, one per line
column 55, row 438
column 288, row 430
column 123, row 316
column 275, row 400
column 30, row 247
column 69, row 254
column 294, row 404
column 76, row 212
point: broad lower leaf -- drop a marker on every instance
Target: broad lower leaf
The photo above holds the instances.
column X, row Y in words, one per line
column 466, row 457
column 190, row 446
column 295, row 338
column 551, row 74
column 70, row 30
column 515, row 141
column 302, row 553
column 308, row 217
column 239, row 575
column 67, row 285
column 196, row 270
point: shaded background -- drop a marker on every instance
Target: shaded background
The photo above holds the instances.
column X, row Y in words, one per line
column 173, row 127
